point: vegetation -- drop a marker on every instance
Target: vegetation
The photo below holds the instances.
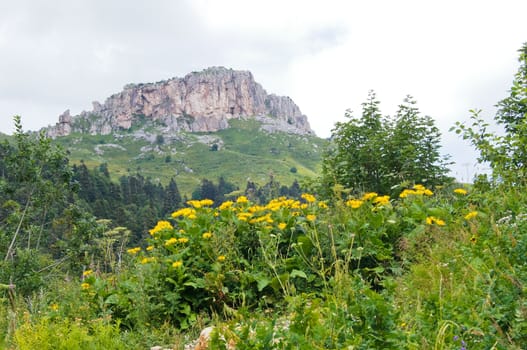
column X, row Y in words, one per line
column 375, row 153
column 273, row 267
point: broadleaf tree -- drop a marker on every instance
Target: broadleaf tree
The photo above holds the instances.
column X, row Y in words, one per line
column 377, row 153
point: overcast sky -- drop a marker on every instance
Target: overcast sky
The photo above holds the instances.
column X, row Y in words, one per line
column 451, row 56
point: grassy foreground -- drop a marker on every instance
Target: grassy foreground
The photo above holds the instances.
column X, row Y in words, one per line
column 441, row 268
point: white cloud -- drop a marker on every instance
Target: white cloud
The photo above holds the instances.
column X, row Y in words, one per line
column 450, row 55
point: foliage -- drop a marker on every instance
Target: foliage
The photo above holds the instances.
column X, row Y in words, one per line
column 375, row 153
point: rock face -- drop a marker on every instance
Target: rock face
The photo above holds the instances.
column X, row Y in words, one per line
column 199, row 102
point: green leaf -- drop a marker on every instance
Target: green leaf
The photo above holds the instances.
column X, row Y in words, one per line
column 298, row 273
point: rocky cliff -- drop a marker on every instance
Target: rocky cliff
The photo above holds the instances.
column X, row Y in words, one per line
column 201, row 101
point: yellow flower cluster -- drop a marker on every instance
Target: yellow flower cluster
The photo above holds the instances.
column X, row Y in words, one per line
column 174, row 240
column 201, row 203
column 148, row 260
column 265, row 218
column 382, row 200
column 185, row 212
column 471, row 215
column 417, row 190
column 460, row 191
column 431, row 220
column 161, row 225
column 242, row 200
column 134, row 251
column 354, row 203
column 308, row 197
column 369, row 195
column 207, row 235
column 226, row 205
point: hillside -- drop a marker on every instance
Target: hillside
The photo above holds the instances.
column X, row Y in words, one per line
column 240, row 153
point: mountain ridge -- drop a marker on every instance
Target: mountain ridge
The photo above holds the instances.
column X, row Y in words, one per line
column 199, row 102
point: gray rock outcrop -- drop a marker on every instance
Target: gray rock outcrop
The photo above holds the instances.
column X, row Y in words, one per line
column 200, row 102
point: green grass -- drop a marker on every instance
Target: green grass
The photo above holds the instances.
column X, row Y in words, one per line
column 247, row 153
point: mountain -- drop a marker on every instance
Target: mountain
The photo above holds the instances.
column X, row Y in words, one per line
column 218, row 122
column 200, row 102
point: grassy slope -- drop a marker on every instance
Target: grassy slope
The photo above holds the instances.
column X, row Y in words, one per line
column 246, row 154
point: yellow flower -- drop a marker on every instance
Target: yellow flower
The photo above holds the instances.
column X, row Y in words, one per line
column 149, row 248
column 206, row 202
column 419, row 187
column 87, row 273
column 85, row 286
column 185, row 212
column 282, row 225
column 177, row 264
column 471, row 215
column 242, row 199
column 430, row 220
column 194, row 203
column 427, row 192
column 226, row 205
column 322, row 205
column 206, row 235
column 382, row 200
column 308, row 197
column 311, row 217
column 460, row 191
column 161, row 225
column 354, row 203
column 221, row 258
column 182, row 240
column 473, row 239
column 369, row 195
column 134, row 251
column 171, row 241
column 54, row 306
column 147, row 260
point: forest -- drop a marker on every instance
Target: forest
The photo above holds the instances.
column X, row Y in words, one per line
column 383, row 250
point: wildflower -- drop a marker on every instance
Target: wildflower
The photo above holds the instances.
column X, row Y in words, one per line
column 194, row 203
column 354, row 203
column 369, row 195
column 147, row 260
column 206, row 235
column 242, row 200
column 322, row 205
column 54, row 306
column 431, row 220
column 87, row 273
column 308, row 197
column 161, row 225
column 460, row 191
column 282, row 225
column 171, row 241
column 149, row 248
column 473, row 239
column 427, row 192
column 226, row 205
column 182, row 240
column 185, row 212
column 85, row 286
column 405, row 193
column 206, row 202
column 419, row 187
column 134, row 251
column 177, row 264
column 382, row 200
column 311, row 217
column 221, row 258
column 471, row 215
